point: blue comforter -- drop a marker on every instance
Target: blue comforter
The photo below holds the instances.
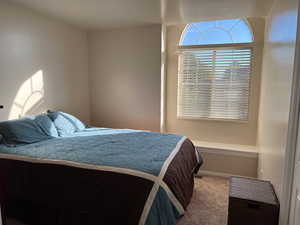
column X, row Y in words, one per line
column 141, row 151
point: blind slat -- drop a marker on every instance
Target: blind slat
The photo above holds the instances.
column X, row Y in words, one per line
column 214, row 83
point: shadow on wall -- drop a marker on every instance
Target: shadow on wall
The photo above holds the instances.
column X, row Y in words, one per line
column 30, row 97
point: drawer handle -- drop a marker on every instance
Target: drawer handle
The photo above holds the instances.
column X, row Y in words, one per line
column 253, row 206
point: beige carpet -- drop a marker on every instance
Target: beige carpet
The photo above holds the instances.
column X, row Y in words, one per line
column 208, row 206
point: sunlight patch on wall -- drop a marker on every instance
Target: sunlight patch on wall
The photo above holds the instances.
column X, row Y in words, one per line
column 30, row 97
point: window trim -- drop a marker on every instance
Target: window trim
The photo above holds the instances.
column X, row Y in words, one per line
column 215, row 119
column 218, row 46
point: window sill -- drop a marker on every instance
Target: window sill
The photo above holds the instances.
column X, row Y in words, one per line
column 226, row 149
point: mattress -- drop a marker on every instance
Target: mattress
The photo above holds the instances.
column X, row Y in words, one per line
column 129, row 176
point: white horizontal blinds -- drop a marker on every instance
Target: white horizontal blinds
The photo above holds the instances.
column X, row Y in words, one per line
column 214, row 83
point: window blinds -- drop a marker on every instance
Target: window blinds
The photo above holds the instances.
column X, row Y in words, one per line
column 214, row 83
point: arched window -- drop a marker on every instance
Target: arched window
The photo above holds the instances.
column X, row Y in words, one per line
column 215, row 70
column 217, row 32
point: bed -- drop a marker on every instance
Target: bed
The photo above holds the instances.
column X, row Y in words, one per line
column 95, row 175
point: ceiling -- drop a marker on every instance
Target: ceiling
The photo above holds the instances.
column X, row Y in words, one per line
column 99, row 14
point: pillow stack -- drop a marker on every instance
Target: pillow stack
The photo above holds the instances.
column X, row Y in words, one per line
column 39, row 128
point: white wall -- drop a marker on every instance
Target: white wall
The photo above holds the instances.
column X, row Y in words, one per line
column 43, row 59
column 124, row 71
column 277, row 74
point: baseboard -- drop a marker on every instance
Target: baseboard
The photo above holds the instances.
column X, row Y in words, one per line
column 218, row 174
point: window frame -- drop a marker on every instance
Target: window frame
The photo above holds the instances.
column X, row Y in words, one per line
column 248, row 45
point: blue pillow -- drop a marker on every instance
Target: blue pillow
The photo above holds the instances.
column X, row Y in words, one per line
column 28, row 130
column 45, row 124
column 65, row 123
